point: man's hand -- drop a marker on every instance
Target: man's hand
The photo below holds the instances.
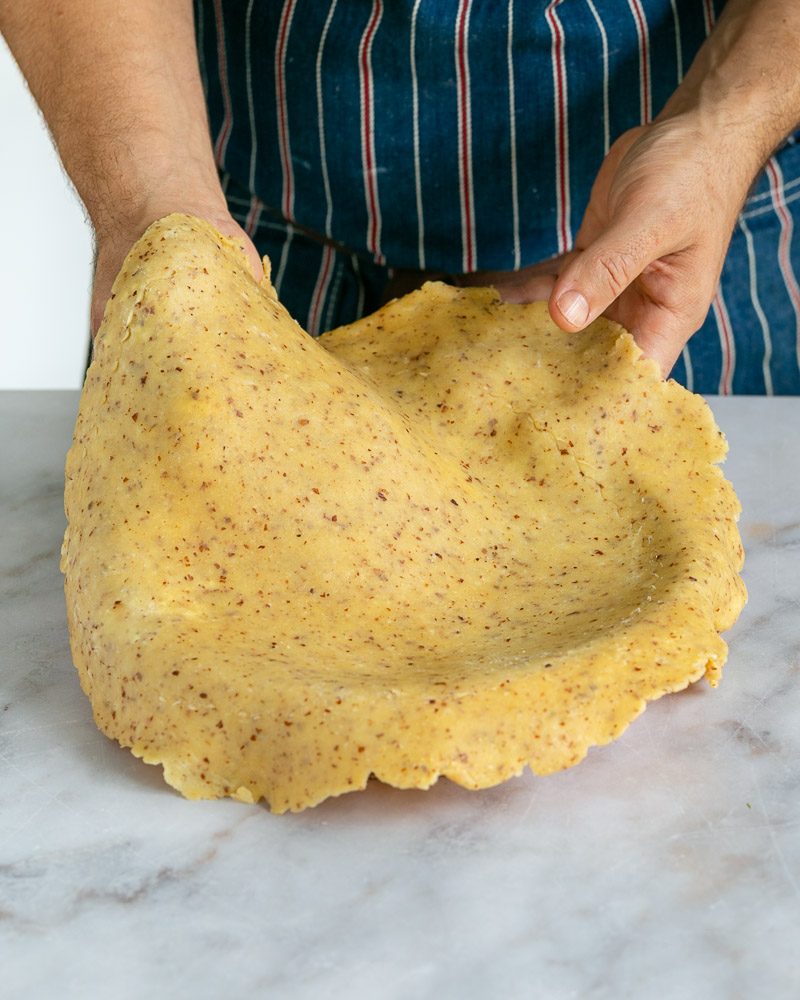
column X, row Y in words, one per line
column 651, row 246
column 113, row 245
column 652, row 243
column 119, row 84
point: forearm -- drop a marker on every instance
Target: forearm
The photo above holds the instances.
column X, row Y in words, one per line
column 744, row 84
column 119, row 86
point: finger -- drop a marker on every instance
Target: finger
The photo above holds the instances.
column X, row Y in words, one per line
column 254, row 260
column 235, row 232
column 599, row 274
column 660, row 332
column 535, row 289
column 664, row 356
column 662, row 345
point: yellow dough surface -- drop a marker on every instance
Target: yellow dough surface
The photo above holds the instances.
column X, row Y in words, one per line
column 449, row 539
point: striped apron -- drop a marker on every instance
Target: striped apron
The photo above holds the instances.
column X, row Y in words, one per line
column 358, row 136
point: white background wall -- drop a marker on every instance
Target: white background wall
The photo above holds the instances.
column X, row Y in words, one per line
column 45, row 251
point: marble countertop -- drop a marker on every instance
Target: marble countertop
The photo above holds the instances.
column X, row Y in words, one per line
column 666, row 865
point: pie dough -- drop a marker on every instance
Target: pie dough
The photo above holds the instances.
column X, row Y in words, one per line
column 449, row 539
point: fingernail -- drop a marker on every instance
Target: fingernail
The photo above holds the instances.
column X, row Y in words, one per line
column 573, row 307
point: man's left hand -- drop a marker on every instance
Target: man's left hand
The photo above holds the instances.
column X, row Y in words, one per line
column 652, row 243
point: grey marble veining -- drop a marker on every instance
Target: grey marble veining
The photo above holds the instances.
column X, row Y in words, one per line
column 667, row 865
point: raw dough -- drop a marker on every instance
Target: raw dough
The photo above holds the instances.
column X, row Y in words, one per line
column 449, row 539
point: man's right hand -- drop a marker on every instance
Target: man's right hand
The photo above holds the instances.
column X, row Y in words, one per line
column 119, row 84
column 112, row 246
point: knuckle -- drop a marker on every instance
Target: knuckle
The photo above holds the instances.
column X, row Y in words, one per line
column 617, row 270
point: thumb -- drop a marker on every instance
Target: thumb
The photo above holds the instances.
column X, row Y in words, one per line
column 598, row 275
column 227, row 227
column 253, row 259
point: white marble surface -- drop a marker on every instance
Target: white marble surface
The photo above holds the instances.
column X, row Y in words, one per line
column 666, row 865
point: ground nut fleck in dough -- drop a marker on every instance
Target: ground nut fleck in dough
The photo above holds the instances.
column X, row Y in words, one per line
column 449, row 539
